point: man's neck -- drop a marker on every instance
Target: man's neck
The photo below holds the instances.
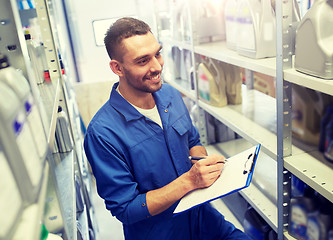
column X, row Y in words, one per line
column 144, row 100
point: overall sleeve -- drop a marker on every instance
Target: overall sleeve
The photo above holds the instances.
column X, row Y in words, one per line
column 115, row 182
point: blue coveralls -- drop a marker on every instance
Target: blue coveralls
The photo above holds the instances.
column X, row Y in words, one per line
column 131, row 155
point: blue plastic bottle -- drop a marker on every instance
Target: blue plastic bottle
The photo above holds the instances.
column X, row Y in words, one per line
column 300, row 207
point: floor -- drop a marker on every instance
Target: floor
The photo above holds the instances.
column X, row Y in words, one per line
column 109, row 228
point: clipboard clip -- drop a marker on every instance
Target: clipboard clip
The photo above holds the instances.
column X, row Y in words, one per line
column 252, row 165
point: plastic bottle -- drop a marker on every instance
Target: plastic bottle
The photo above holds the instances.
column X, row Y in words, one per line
column 211, row 83
column 10, row 198
column 308, row 106
column 255, row 226
column 314, row 41
column 18, row 144
column 233, row 82
column 300, row 208
column 210, row 21
column 176, row 58
column 256, row 26
column 319, row 223
column 20, row 86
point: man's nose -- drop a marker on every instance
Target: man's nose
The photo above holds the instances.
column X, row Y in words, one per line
column 157, row 64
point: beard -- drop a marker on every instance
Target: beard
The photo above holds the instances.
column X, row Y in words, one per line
column 142, row 84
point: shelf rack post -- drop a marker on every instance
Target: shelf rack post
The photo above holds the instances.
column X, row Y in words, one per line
column 283, row 96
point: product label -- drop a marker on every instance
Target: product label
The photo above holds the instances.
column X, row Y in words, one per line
column 203, row 85
column 10, row 199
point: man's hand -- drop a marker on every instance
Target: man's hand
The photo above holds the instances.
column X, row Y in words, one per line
column 206, row 171
column 202, row 174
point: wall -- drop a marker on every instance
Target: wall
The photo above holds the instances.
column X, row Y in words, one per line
column 92, row 60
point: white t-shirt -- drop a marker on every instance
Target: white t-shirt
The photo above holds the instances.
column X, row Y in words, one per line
column 152, row 113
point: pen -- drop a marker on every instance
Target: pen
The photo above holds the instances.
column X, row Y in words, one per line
column 199, row 158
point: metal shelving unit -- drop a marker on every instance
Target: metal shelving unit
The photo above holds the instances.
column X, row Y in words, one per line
column 273, row 130
column 56, row 203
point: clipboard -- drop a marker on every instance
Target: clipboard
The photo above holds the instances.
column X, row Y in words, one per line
column 236, row 174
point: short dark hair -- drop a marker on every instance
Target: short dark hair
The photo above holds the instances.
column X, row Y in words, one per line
column 121, row 29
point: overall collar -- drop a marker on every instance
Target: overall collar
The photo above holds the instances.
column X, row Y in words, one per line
column 122, row 106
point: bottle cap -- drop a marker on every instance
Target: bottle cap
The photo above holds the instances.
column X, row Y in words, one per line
column 4, row 61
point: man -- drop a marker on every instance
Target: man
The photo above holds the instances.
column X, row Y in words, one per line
column 139, row 143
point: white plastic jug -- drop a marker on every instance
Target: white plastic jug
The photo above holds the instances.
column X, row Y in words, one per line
column 19, row 84
column 210, row 21
column 314, row 41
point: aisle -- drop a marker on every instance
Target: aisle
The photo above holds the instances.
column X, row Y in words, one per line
column 109, row 228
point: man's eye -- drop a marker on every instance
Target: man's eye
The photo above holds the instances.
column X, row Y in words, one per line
column 143, row 61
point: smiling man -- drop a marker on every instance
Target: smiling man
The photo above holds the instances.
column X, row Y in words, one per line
column 138, row 145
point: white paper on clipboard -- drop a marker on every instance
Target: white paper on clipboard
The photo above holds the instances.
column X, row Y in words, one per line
column 236, row 175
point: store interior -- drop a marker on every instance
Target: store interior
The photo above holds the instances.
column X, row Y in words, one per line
column 250, row 72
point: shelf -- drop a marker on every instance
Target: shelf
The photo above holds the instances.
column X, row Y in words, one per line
column 312, row 171
column 255, row 197
column 305, row 80
column 29, row 226
column 219, row 51
column 253, row 120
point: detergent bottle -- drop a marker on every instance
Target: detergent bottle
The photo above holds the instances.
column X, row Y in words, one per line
column 210, row 21
column 211, row 83
column 308, row 107
column 233, row 82
column 256, row 29
column 314, row 41
column 19, row 84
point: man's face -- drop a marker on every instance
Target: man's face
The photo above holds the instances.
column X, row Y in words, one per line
column 142, row 63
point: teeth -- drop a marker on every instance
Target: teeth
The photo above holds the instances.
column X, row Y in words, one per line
column 154, row 78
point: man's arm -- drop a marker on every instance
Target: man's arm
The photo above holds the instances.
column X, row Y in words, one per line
column 202, row 174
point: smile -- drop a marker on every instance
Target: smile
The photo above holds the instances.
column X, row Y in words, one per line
column 154, row 78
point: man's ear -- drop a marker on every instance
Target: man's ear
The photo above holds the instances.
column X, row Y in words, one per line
column 116, row 67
